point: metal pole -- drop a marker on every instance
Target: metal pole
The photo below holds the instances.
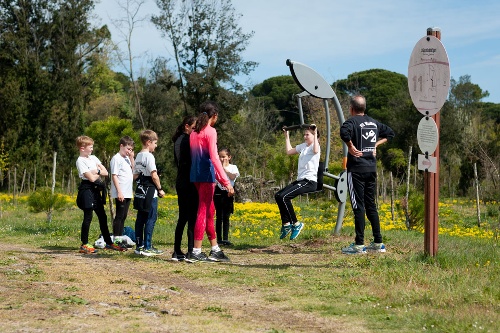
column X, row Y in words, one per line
column 431, row 188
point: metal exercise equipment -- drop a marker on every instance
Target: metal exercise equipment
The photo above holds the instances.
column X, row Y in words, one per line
column 314, row 85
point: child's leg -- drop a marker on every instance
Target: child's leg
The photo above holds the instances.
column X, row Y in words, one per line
column 193, row 213
column 227, row 211
column 219, row 213
column 140, row 222
column 120, row 216
column 150, row 224
column 103, row 222
column 284, row 198
column 205, row 209
column 183, row 203
column 87, row 218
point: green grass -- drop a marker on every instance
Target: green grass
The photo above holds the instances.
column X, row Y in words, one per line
column 403, row 290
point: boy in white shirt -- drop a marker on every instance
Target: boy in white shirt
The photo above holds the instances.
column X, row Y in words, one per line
column 92, row 194
column 122, row 178
column 146, row 195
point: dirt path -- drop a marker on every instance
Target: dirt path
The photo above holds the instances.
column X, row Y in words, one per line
column 64, row 291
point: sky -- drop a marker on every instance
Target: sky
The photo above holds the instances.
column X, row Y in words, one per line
column 337, row 38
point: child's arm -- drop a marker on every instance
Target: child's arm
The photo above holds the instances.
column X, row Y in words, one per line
column 288, row 146
column 103, row 170
column 119, row 194
column 156, row 181
column 316, row 142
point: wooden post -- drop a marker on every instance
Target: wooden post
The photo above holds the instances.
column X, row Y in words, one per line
column 476, row 181
column 407, row 196
column 431, row 188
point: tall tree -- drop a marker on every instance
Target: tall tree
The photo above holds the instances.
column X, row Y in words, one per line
column 44, row 52
column 207, row 44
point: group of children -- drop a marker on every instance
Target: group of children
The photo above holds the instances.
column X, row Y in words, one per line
column 200, row 167
column 205, row 184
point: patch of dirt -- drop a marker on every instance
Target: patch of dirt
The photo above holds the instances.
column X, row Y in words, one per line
column 64, row 291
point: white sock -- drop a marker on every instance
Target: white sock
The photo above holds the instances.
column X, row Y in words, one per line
column 216, row 248
column 287, row 224
column 196, row 250
column 296, row 223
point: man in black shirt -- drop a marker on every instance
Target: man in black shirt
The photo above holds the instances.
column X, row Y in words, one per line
column 363, row 134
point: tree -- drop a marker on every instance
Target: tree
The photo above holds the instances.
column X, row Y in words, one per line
column 45, row 49
column 126, row 26
column 207, row 44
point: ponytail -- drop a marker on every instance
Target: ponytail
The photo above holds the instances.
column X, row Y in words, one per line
column 207, row 110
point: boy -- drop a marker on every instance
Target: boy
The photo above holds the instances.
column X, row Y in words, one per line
column 121, row 167
column 92, row 194
column 146, row 195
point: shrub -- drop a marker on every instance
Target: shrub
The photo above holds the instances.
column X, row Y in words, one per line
column 45, row 201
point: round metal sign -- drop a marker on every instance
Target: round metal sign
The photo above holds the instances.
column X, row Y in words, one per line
column 429, row 75
column 309, row 80
column 427, row 135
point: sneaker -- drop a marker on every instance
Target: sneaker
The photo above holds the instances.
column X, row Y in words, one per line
column 218, row 256
column 157, row 251
column 285, row 230
column 149, row 253
column 376, row 247
column 87, row 249
column 178, row 256
column 354, row 249
column 115, row 247
column 197, row 257
column 139, row 250
column 296, row 229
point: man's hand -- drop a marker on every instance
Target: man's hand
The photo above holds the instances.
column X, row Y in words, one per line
column 354, row 151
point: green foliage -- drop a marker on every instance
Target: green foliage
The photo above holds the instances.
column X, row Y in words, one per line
column 106, row 135
column 413, row 209
column 44, row 201
column 396, row 160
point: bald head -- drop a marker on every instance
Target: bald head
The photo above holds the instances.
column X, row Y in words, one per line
column 358, row 104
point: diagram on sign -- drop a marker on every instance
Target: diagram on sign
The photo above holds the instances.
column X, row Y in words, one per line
column 428, row 75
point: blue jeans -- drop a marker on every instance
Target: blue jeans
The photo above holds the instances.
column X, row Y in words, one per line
column 145, row 224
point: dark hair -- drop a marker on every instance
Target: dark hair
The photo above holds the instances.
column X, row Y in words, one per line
column 207, row 110
column 188, row 120
column 127, row 141
column 228, row 152
column 358, row 103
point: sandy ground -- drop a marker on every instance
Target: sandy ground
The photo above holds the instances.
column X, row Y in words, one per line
column 64, row 291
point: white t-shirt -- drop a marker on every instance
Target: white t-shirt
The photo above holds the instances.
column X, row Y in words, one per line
column 308, row 162
column 121, row 167
column 234, row 170
column 145, row 163
column 84, row 164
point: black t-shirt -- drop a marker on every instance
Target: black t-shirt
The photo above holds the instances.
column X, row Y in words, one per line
column 364, row 132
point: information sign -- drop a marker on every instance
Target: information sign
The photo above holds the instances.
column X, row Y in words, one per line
column 429, row 75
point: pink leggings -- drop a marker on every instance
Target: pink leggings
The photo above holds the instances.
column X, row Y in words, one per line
column 206, row 211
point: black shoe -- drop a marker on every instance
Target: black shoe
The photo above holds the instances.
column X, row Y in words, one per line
column 198, row 257
column 218, row 256
column 226, row 243
column 178, row 256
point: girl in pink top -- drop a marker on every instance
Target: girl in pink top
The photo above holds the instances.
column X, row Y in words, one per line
column 205, row 169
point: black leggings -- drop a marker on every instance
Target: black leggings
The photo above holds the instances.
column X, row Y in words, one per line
column 224, row 207
column 103, row 222
column 284, row 198
column 187, row 199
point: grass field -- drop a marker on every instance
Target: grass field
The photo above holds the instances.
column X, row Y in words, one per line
column 305, row 285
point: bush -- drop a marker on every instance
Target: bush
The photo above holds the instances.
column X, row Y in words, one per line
column 46, row 201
